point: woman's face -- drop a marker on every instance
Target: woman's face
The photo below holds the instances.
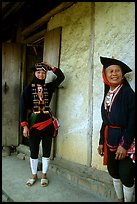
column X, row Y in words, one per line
column 40, row 74
column 114, row 74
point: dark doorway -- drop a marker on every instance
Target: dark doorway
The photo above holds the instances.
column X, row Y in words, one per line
column 34, row 54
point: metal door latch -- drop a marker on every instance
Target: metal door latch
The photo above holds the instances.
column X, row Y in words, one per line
column 5, row 87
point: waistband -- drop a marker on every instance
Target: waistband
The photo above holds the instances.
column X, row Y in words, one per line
column 114, row 126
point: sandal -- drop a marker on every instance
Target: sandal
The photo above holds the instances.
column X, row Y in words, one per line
column 44, row 182
column 30, row 182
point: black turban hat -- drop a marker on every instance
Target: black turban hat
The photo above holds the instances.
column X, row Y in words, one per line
column 111, row 61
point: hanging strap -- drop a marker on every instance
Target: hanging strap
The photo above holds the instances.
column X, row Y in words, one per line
column 105, row 145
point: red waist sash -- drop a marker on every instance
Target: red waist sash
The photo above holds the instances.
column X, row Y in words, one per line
column 42, row 125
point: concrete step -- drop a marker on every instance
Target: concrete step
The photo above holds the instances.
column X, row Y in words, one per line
column 15, row 173
column 87, row 177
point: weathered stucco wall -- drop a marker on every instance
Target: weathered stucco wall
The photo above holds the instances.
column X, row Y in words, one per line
column 73, row 99
column 88, row 32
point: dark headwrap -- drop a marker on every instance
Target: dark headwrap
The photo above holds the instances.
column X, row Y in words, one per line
column 39, row 66
column 36, row 67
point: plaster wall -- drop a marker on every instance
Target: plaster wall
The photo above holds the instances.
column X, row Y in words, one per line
column 89, row 30
column 73, row 100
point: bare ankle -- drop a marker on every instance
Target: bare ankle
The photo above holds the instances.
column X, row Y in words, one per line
column 44, row 175
column 34, row 176
column 121, row 200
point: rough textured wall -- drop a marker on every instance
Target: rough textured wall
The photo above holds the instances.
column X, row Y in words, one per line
column 81, row 47
column 114, row 36
column 73, row 98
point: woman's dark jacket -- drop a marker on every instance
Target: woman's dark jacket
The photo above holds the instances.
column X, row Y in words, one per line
column 27, row 100
column 123, row 115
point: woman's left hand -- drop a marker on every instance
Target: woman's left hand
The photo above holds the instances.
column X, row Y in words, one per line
column 120, row 153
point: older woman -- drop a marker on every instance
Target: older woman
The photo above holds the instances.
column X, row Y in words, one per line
column 37, row 119
column 117, row 133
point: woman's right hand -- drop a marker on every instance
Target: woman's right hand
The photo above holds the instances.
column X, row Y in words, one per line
column 47, row 64
column 100, row 150
column 25, row 131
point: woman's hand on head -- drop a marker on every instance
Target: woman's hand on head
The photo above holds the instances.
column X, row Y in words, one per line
column 47, row 64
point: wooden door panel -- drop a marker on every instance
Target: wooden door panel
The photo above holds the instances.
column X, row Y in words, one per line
column 52, row 42
column 11, row 67
column 51, row 53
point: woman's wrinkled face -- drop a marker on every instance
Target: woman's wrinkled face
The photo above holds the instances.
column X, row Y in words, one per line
column 40, row 74
column 114, row 74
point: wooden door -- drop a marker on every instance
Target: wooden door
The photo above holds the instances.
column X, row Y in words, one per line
column 51, row 53
column 33, row 54
column 11, row 73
